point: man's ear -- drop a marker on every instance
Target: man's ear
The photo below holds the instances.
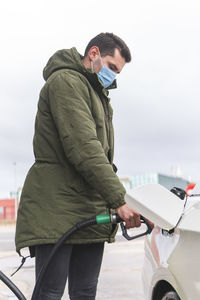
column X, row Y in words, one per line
column 93, row 53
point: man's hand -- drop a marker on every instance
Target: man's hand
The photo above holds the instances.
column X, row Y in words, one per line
column 130, row 216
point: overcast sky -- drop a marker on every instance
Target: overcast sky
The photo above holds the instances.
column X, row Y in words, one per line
column 156, row 105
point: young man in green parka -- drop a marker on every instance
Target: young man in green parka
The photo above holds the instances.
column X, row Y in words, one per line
column 73, row 177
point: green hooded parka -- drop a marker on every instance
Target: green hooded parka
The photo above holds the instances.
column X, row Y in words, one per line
column 73, row 176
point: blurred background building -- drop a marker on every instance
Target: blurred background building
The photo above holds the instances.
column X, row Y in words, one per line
column 167, row 181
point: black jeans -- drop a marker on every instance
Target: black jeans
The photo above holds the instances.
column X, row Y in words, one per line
column 80, row 264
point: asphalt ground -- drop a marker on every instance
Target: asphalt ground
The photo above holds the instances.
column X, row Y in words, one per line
column 120, row 276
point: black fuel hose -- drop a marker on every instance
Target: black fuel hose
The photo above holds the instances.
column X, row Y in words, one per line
column 12, row 286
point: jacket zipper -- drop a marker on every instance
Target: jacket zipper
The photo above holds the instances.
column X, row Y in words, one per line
column 107, row 116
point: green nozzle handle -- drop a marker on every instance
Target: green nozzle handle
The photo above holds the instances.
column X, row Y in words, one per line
column 103, row 219
column 108, row 219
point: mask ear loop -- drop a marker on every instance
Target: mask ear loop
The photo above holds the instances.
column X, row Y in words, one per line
column 92, row 66
column 92, row 63
column 100, row 59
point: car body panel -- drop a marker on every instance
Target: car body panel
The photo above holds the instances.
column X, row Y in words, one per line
column 171, row 257
column 153, row 274
column 191, row 219
column 180, row 267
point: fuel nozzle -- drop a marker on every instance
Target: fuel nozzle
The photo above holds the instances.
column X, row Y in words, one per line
column 115, row 218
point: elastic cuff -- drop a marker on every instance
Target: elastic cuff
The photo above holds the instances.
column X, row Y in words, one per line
column 117, row 203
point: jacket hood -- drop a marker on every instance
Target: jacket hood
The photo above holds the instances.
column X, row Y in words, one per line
column 71, row 59
column 64, row 59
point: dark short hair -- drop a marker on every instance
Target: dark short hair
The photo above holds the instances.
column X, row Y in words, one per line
column 107, row 43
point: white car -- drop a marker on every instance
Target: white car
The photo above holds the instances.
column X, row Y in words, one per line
column 172, row 252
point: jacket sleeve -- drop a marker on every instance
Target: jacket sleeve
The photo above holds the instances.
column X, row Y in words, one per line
column 71, row 112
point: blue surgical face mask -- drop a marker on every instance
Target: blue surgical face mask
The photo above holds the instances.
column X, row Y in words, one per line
column 107, row 76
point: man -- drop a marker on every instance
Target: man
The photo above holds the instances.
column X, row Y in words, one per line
column 73, row 177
